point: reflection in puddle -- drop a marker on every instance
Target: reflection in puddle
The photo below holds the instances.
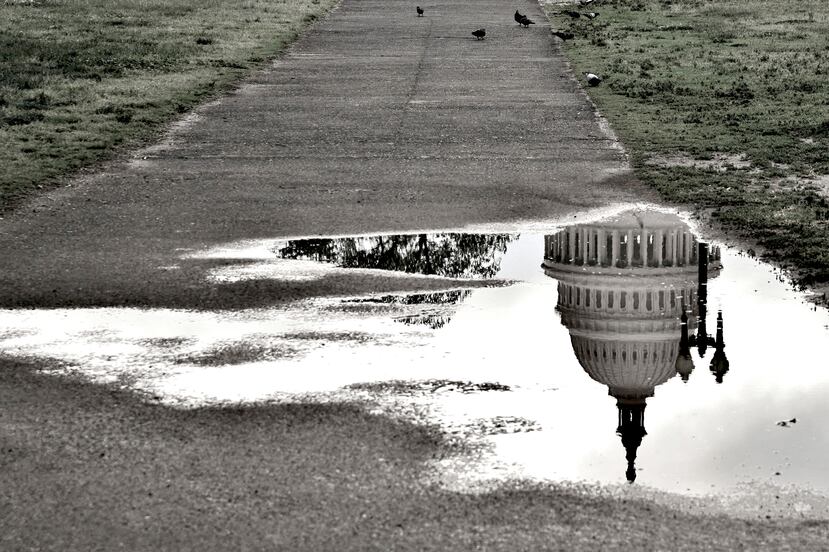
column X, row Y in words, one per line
column 624, row 288
column 622, row 302
column 452, row 255
column 435, row 317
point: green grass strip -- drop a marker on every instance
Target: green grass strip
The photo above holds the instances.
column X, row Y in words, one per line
column 724, row 106
column 82, row 79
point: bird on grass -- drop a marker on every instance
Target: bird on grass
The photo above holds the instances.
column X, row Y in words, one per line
column 585, row 2
column 518, row 17
column 563, row 35
column 479, row 34
column 573, row 14
column 419, row 11
column 592, row 79
column 526, row 21
column 591, row 15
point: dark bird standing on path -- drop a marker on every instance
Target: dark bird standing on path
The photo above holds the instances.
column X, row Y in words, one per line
column 563, row 35
column 419, row 11
column 526, row 21
column 479, row 34
column 592, row 79
column 518, row 17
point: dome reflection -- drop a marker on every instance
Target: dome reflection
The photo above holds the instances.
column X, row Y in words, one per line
column 632, row 291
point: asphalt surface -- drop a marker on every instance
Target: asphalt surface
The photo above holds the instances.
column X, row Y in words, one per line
column 375, row 121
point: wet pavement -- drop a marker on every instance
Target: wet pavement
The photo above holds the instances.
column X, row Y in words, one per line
column 568, row 360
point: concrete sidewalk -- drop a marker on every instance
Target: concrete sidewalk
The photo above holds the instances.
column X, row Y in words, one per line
column 376, row 120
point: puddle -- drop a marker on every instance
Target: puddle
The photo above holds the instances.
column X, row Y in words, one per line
column 573, row 363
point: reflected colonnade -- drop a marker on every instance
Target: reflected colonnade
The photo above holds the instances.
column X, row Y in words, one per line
column 632, row 291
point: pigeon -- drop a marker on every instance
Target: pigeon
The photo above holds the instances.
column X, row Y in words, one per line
column 591, row 15
column 518, row 17
column 479, row 33
column 526, row 21
column 592, row 79
column 563, row 35
column 573, row 14
column 419, row 11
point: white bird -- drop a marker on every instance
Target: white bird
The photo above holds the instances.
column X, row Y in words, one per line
column 592, row 79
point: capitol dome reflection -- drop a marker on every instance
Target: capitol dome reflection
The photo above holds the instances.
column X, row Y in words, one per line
column 632, row 291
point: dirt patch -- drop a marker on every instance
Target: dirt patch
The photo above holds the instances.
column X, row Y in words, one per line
column 720, row 162
column 821, row 182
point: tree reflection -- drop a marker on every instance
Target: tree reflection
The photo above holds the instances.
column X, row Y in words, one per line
column 432, row 318
column 451, row 297
column 453, row 255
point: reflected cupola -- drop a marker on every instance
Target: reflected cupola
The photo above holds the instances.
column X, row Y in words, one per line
column 719, row 363
column 631, row 429
column 623, row 288
column 684, row 362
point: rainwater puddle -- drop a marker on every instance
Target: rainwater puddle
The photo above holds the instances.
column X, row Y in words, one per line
column 568, row 361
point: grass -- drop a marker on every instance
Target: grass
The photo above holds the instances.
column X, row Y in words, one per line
column 745, row 82
column 82, row 79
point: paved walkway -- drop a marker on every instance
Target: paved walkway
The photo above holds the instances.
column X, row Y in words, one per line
column 376, row 120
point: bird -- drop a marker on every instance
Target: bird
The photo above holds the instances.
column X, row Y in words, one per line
column 518, row 17
column 591, row 15
column 592, row 79
column 479, row 33
column 573, row 14
column 526, row 21
column 585, row 2
column 563, row 35
column 419, row 11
